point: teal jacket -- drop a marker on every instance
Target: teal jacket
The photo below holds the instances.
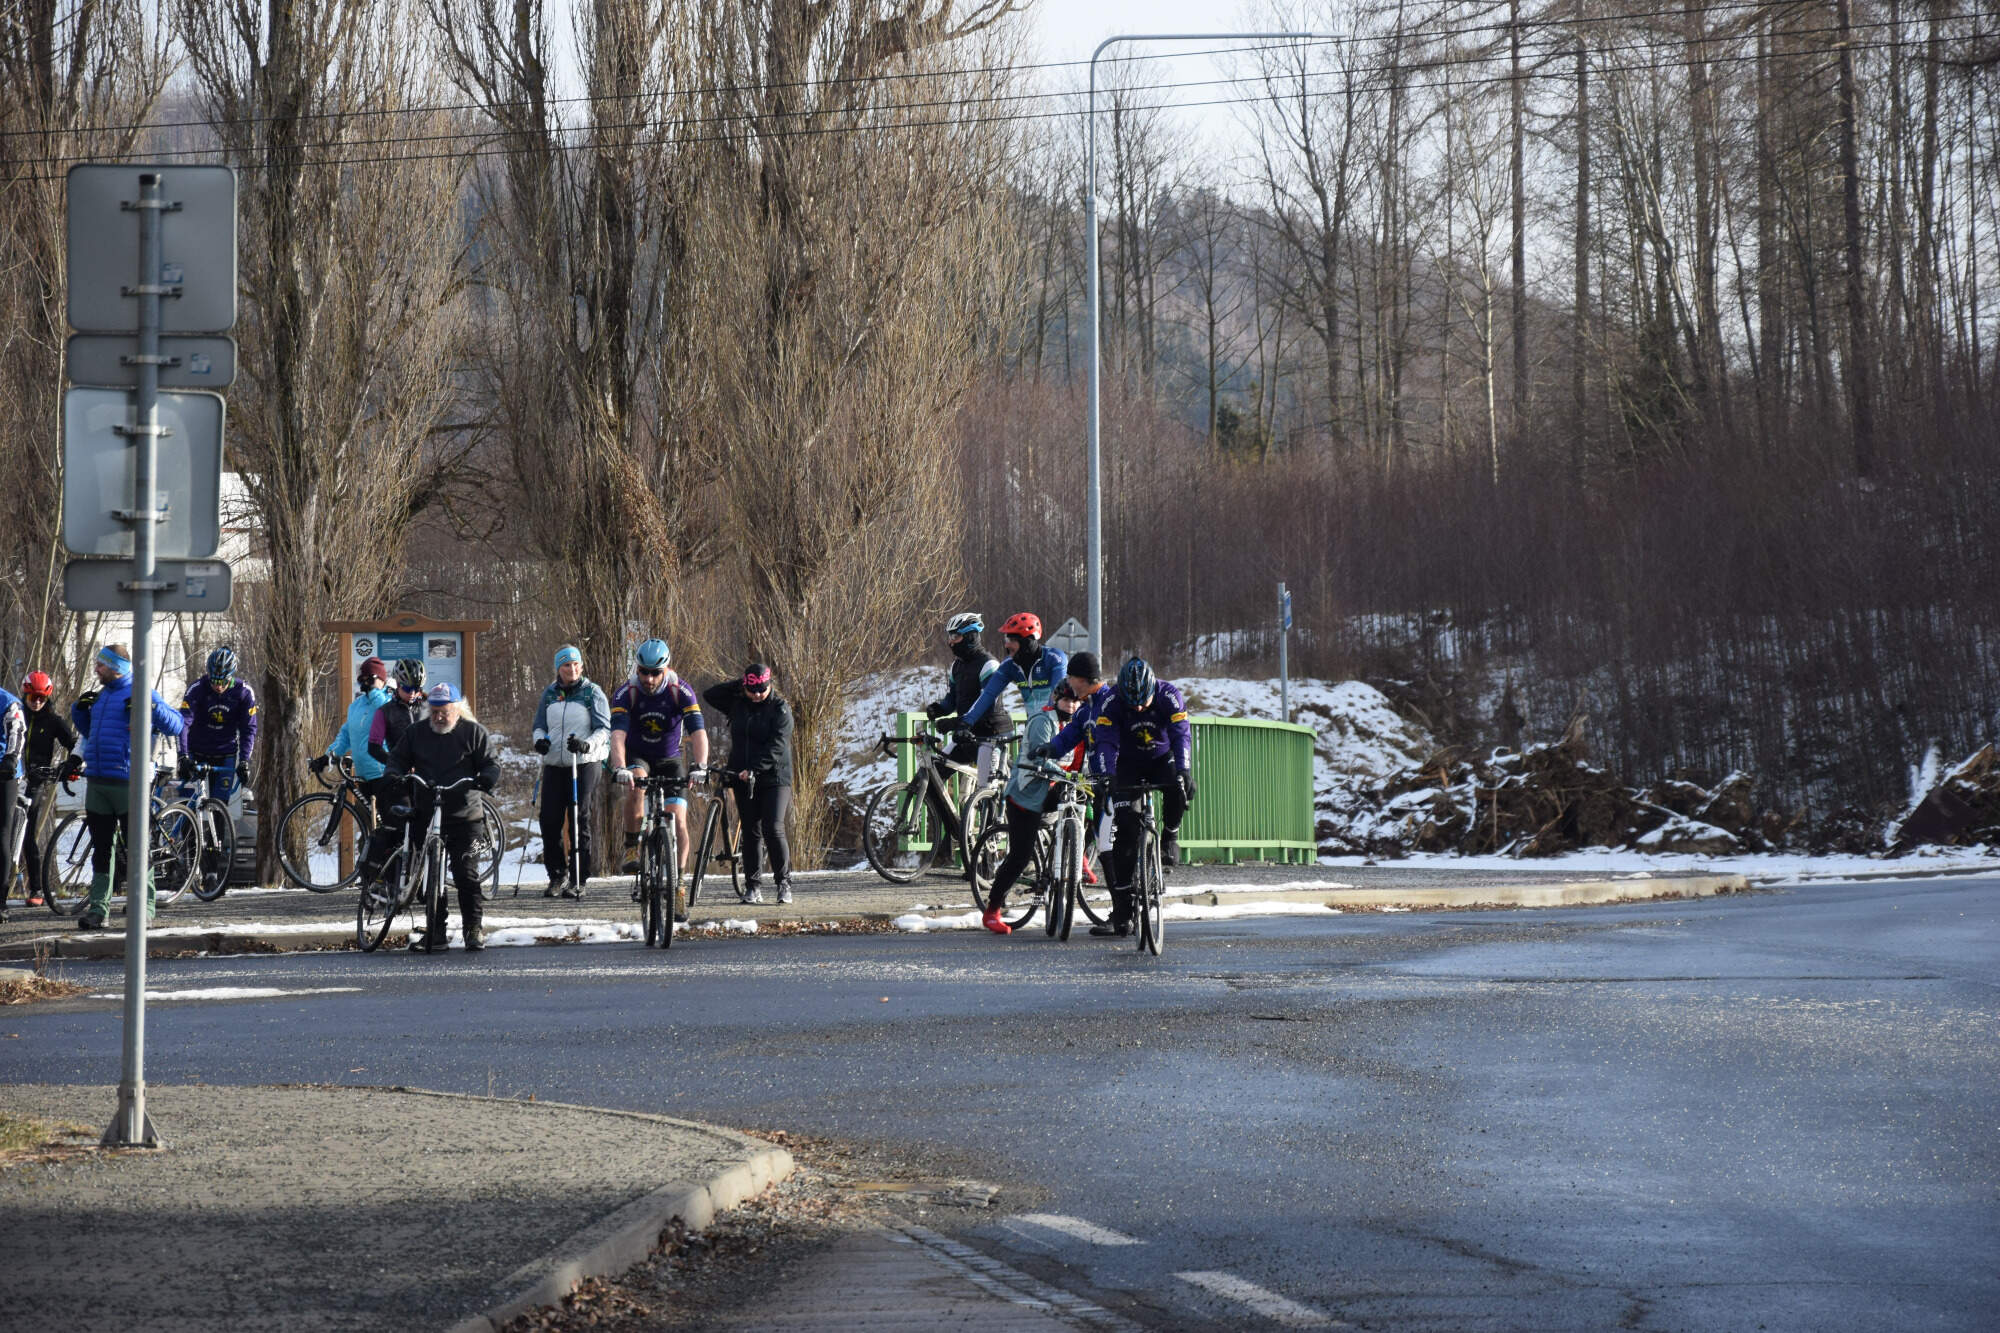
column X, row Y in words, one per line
column 1026, row 787
column 352, row 738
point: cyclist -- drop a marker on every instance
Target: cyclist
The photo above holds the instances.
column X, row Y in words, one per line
column 13, row 743
column 448, row 747
column 407, row 707
column 371, row 682
column 1030, row 664
column 104, row 718
column 1139, row 734
column 649, row 714
column 971, row 667
column 760, row 755
column 572, row 732
column 48, row 729
column 1028, row 801
column 220, row 713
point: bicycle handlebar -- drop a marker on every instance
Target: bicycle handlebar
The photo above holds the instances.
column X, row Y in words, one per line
column 417, row 779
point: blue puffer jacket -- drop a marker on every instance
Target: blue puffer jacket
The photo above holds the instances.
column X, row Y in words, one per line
column 353, row 737
column 105, row 719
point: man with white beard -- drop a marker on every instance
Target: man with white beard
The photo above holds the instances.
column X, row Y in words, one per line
column 448, row 748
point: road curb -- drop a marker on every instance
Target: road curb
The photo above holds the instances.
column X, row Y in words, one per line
column 624, row 1236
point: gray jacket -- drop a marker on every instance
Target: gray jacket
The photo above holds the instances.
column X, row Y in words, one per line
column 1026, row 787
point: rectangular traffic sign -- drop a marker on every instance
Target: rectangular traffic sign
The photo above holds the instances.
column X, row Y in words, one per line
column 100, row 463
column 1285, row 609
column 190, row 361
column 197, row 272
column 178, row 585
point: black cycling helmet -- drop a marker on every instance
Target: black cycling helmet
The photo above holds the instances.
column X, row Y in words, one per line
column 1136, row 682
column 410, row 673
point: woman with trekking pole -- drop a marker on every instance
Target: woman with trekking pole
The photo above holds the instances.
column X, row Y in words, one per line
column 573, row 731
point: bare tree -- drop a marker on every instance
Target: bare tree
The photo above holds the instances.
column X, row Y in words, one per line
column 349, row 314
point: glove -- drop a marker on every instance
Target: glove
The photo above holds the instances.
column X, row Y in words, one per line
column 956, row 727
column 316, row 765
column 243, row 778
column 541, row 745
column 623, row 777
column 73, row 769
column 575, row 745
column 185, row 770
column 486, row 782
column 934, row 711
column 1187, row 787
column 1040, row 752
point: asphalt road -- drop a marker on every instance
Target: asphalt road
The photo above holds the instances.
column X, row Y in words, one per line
column 1773, row 1112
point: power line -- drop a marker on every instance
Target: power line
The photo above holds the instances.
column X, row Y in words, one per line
column 1567, row 23
column 487, row 132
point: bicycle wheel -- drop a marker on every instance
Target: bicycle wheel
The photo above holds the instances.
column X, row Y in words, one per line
column 982, row 810
column 172, row 860
column 309, row 840
column 647, row 886
column 437, row 911
column 217, row 849
column 667, row 882
column 1056, row 899
column 1029, row 891
column 698, row 869
column 66, row 866
column 489, row 845
column 899, row 833
column 1152, row 928
column 376, row 911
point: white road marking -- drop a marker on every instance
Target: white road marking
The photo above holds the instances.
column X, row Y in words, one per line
column 1011, row 1284
column 1077, row 1227
column 1278, row 1309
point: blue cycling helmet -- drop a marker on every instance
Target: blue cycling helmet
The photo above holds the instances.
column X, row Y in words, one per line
column 654, row 655
column 222, row 663
column 965, row 622
column 1136, row 682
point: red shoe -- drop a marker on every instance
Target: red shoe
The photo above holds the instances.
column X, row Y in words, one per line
column 993, row 922
column 1089, row 875
column 35, row 900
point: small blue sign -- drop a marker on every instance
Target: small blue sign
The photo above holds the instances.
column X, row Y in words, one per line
column 1285, row 610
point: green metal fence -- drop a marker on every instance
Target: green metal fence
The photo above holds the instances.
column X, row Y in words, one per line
column 1255, row 781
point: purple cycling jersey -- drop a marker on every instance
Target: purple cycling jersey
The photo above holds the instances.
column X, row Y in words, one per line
column 654, row 721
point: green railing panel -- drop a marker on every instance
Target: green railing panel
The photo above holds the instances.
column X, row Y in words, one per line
column 1255, row 781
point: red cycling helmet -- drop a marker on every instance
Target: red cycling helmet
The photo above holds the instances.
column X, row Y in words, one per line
column 1023, row 625
column 36, row 685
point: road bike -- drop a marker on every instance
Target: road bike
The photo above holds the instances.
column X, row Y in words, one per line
column 656, row 888
column 414, row 874
column 66, row 863
column 904, row 823
column 1053, row 880
column 309, row 836
column 721, row 838
column 26, row 880
column 212, row 839
column 984, row 805
column 1148, row 877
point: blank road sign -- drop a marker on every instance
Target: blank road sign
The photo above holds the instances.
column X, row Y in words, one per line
column 196, row 586
column 197, row 362
column 1069, row 637
column 197, row 247
column 98, row 473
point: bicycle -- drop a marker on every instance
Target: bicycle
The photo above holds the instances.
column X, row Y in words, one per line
column 901, row 825
column 1147, row 873
column 66, row 862
column 415, row 871
column 657, row 885
column 309, row 833
column 33, row 781
column 1053, row 876
column 212, row 837
column 721, row 839
column 983, row 806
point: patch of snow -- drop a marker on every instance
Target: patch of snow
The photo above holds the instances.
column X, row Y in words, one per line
column 1198, row 912
column 229, row 993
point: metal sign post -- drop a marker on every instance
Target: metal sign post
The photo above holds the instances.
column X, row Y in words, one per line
column 186, row 284
column 1284, row 652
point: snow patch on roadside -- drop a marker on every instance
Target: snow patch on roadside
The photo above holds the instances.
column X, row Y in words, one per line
column 229, row 993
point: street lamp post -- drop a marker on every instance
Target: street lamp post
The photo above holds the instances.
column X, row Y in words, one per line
column 1094, row 488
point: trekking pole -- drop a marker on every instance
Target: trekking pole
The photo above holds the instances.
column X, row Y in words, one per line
column 575, row 827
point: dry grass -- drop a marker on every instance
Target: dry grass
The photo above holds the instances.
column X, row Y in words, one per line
column 26, row 1139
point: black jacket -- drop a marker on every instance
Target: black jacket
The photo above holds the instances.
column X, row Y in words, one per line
column 760, row 734
column 47, row 729
column 970, row 666
column 397, row 718
column 442, row 759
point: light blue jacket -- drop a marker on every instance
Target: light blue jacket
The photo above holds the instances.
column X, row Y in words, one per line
column 1026, row 787
column 1038, row 683
column 352, row 739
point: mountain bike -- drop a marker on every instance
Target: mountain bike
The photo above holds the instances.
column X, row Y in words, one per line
column 309, row 835
column 656, row 887
column 414, row 873
column 66, row 861
column 1147, row 873
column 212, row 838
column 721, row 839
column 904, row 823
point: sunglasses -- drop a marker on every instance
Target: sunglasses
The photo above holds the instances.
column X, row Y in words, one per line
column 765, row 688
column 652, row 673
